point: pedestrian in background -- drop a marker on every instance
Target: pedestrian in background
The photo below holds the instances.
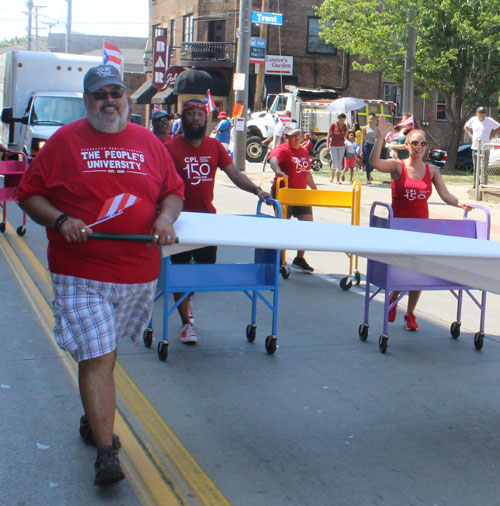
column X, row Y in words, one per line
column 368, row 135
column 161, row 125
column 223, row 130
column 350, row 154
column 103, row 290
column 481, row 128
column 335, row 142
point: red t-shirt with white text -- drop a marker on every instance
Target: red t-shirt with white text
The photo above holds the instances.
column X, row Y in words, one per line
column 294, row 162
column 77, row 170
column 197, row 167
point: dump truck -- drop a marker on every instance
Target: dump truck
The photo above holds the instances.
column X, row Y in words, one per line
column 308, row 108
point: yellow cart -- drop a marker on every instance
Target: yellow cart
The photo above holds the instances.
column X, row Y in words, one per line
column 323, row 198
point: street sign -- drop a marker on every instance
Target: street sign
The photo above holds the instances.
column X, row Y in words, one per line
column 239, row 81
column 257, row 50
column 267, row 18
column 276, row 64
column 159, row 61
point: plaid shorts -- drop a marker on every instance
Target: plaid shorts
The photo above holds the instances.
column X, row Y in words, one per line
column 91, row 316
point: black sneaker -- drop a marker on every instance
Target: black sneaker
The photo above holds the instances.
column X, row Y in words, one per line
column 300, row 263
column 88, row 437
column 107, row 468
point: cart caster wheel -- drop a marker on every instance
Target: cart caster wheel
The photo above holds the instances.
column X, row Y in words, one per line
column 363, row 331
column 21, row 230
column 147, row 337
column 357, row 278
column 382, row 343
column 163, row 350
column 2, row 227
column 478, row 340
column 271, row 344
column 251, row 329
column 346, row 283
column 455, row 330
column 285, row 271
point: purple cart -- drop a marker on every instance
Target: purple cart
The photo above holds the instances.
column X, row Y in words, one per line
column 391, row 278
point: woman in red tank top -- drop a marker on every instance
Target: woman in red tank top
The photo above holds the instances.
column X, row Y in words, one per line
column 411, row 184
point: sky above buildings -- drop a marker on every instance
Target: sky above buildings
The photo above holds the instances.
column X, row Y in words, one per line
column 95, row 17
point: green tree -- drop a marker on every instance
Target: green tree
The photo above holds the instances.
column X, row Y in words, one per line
column 12, row 42
column 458, row 47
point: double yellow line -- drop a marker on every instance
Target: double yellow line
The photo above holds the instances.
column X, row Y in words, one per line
column 161, row 471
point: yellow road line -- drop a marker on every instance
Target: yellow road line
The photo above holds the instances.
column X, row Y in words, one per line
column 151, row 488
column 169, row 446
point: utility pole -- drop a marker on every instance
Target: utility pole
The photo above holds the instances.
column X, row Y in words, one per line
column 29, row 4
column 36, row 7
column 68, row 27
column 408, row 84
column 241, row 96
column 259, row 85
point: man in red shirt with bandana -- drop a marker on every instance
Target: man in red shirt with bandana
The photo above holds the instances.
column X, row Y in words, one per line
column 196, row 158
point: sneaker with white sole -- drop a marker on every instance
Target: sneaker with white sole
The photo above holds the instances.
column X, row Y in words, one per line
column 411, row 322
column 188, row 335
column 301, row 264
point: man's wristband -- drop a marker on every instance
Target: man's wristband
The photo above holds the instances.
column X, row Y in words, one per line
column 60, row 220
column 256, row 191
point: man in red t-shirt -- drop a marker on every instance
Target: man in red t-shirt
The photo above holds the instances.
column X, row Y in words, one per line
column 161, row 125
column 292, row 161
column 103, row 290
column 196, row 158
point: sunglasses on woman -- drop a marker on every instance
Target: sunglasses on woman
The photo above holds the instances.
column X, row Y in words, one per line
column 421, row 143
column 101, row 95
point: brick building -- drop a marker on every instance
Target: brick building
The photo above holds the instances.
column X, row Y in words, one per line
column 203, row 34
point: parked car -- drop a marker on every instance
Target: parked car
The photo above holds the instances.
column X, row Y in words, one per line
column 464, row 157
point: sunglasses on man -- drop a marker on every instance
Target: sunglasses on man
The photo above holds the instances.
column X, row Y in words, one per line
column 101, row 95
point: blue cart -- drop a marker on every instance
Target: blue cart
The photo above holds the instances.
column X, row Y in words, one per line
column 391, row 278
column 251, row 279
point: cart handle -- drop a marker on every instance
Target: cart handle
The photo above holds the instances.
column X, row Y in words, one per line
column 124, row 237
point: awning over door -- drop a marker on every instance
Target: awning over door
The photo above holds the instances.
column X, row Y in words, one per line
column 162, row 96
column 144, row 93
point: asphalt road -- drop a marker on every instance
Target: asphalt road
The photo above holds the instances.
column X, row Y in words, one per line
column 326, row 420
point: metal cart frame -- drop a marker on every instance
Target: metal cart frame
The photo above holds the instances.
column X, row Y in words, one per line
column 392, row 278
column 251, row 279
column 12, row 170
column 323, row 198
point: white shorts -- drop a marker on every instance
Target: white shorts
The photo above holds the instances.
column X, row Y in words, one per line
column 91, row 316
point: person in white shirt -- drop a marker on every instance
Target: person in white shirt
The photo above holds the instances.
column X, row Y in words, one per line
column 481, row 128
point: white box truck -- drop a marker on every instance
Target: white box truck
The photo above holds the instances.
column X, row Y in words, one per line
column 39, row 92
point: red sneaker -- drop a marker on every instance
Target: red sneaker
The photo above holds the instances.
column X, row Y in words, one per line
column 411, row 322
column 392, row 312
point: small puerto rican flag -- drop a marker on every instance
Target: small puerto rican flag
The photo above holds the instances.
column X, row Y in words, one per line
column 406, row 122
column 115, row 206
column 111, row 55
column 209, row 102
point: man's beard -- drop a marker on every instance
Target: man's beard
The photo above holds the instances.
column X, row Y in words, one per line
column 193, row 134
column 107, row 124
